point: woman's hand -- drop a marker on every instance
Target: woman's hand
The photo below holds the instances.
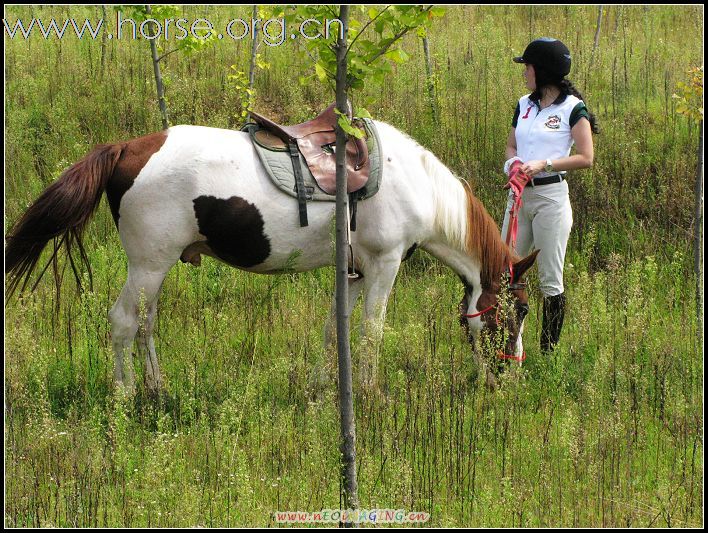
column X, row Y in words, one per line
column 533, row 167
column 517, row 178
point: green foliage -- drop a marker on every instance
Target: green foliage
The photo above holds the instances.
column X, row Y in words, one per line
column 690, row 99
column 371, row 39
column 239, row 81
column 196, row 40
column 241, row 432
column 188, row 45
column 241, row 84
column 348, row 128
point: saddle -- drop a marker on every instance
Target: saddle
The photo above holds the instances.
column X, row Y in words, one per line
column 315, row 140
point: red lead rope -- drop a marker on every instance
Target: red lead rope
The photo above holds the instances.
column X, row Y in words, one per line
column 511, row 233
column 513, row 228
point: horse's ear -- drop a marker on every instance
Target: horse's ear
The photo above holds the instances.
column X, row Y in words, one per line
column 523, row 265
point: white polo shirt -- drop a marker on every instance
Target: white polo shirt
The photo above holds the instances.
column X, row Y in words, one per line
column 545, row 134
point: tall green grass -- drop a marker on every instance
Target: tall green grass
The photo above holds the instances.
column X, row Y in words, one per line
column 605, row 432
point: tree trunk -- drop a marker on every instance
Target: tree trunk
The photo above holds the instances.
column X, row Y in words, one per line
column 254, row 49
column 158, row 76
column 104, row 35
column 431, row 82
column 346, row 400
column 597, row 35
column 698, row 228
column 618, row 16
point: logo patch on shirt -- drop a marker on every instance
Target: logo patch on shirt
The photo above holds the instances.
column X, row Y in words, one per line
column 527, row 113
column 553, row 122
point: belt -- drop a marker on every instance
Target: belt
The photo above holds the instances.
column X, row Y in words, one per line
column 546, row 180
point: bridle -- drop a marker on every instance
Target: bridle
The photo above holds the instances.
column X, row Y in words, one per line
column 522, row 309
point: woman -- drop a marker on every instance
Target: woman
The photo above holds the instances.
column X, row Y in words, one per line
column 546, row 124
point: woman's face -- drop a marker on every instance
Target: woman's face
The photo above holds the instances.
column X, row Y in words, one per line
column 530, row 77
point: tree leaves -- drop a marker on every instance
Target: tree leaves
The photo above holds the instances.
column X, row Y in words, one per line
column 195, row 40
column 239, row 81
column 690, row 99
column 397, row 55
column 373, row 35
column 347, row 126
column 321, row 72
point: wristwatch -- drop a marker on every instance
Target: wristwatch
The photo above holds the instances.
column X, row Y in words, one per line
column 549, row 165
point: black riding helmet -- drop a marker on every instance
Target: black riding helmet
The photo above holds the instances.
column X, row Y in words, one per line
column 548, row 53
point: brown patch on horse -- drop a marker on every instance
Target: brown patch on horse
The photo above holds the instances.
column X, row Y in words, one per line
column 484, row 241
column 134, row 156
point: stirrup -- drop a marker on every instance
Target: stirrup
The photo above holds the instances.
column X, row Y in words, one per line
column 352, row 273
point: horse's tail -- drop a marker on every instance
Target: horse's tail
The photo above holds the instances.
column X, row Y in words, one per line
column 60, row 213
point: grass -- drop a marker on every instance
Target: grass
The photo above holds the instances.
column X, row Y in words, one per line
column 605, row 432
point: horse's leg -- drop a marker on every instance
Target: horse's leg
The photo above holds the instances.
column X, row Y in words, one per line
column 153, row 378
column 379, row 277
column 124, row 325
column 140, row 291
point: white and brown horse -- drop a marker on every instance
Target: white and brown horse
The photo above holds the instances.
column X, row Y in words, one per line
column 192, row 190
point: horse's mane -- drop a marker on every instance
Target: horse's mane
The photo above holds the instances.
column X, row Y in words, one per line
column 466, row 224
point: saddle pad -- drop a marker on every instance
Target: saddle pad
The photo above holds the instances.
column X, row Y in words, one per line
column 276, row 159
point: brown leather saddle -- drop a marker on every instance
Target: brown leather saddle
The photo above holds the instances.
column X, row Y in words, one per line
column 316, row 140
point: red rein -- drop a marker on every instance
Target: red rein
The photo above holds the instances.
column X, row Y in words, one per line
column 500, row 354
column 510, row 240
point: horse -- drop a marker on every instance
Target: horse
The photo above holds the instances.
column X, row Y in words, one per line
column 189, row 191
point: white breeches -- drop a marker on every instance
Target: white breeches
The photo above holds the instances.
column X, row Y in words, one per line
column 544, row 224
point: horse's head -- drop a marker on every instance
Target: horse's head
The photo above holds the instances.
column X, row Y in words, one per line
column 498, row 311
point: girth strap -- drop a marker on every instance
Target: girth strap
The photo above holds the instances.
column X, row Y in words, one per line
column 299, row 183
column 352, row 210
column 352, row 273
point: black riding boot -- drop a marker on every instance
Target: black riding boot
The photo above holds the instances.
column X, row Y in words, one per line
column 553, row 313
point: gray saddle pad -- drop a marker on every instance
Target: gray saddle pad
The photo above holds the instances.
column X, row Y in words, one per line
column 279, row 166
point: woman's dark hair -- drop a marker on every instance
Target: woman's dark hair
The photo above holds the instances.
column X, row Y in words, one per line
column 545, row 78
